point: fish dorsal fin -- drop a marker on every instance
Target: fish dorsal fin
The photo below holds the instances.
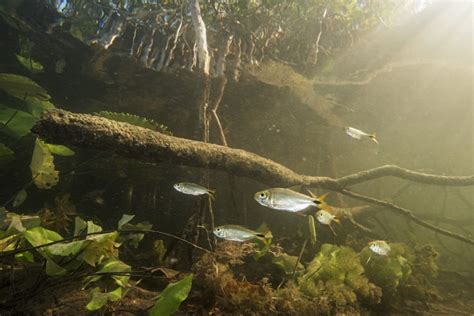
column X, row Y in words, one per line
column 296, row 187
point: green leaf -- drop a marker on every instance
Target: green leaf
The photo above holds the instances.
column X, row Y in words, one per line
column 287, row 263
column 79, row 225
column 124, row 220
column 93, row 228
column 103, row 247
column 22, row 87
column 53, row 269
column 115, row 265
column 36, row 107
column 33, row 66
column 39, row 236
column 60, row 150
column 171, row 298
column 99, row 299
column 42, row 167
column 8, row 243
column 16, row 226
column 5, row 152
column 66, row 249
column 134, row 239
column 25, row 256
column 19, row 122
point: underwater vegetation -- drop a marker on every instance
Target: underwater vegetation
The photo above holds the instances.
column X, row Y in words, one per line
column 161, row 158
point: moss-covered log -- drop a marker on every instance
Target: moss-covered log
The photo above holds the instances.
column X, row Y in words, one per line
column 85, row 130
column 89, row 131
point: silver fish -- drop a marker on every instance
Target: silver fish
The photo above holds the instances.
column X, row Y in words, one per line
column 286, row 200
column 326, row 218
column 236, row 233
column 358, row 134
column 193, row 189
column 380, row 247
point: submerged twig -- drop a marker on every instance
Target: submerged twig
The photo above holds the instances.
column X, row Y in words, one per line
column 299, row 258
column 79, row 237
column 408, row 214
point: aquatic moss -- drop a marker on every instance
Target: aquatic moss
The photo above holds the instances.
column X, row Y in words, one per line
column 388, row 271
column 221, row 291
column 336, row 275
column 405, row 272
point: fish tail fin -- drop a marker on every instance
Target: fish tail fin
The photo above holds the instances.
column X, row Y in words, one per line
column 212, row 194
column 266, row 235
column 319, row 200
column 372, row 137
column 264, row 232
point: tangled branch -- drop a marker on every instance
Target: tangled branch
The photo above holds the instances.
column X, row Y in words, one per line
column 406, row 213
column 85, row 130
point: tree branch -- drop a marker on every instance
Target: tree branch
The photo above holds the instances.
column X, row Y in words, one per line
column 408, row 214
column 85, row 130
column 395, row 171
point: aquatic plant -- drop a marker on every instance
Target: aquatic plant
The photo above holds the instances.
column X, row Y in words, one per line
column 336, row 275
column 223, row 289
column 387, row 271
column 171, row 297
column 405, row 272
column 97, row 251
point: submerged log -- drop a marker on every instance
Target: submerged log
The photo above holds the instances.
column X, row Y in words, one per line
column 90, row 131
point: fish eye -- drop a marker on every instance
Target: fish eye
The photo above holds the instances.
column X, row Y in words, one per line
column 262, row 195
column 218, row 229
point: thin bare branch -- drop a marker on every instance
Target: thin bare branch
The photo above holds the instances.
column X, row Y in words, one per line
column 408, row 214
